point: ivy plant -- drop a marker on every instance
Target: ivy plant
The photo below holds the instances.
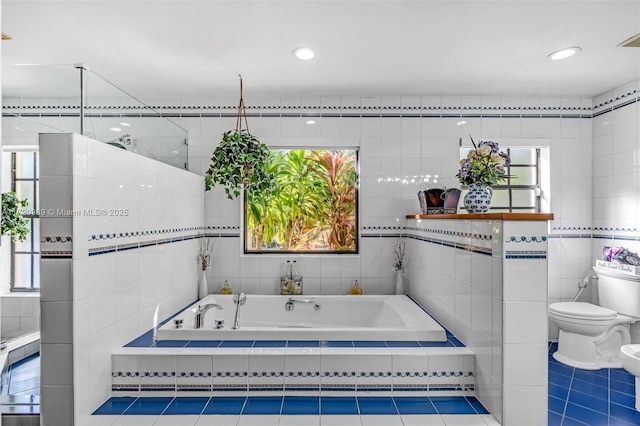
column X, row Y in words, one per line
column 13, row 223
column 239, row 162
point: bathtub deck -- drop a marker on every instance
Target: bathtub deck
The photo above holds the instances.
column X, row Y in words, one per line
column 294, row 382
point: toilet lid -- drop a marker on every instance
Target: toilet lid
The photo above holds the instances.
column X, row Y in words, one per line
column 582, row 310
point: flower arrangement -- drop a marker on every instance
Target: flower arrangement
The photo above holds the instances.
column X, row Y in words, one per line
column 484, row 165
column 398, row 264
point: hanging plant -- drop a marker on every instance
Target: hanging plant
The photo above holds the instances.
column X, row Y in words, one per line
column 13, row 223
column 240, row 161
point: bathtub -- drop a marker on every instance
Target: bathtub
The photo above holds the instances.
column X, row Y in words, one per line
column 263, row 317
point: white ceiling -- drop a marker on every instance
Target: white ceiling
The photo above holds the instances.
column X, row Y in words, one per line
column 190, row 48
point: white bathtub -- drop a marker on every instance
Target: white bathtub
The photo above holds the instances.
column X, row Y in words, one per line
column 339, row 318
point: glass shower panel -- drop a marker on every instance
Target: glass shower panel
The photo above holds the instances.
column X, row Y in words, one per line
column 45, row 97
column 51, row 98
column 119, row 119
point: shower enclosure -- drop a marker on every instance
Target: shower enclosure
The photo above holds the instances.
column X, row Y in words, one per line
column 59, row 99
column 71, row 98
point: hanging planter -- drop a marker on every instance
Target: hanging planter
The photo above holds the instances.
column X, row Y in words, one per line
column 240, row 161
column 13, row 223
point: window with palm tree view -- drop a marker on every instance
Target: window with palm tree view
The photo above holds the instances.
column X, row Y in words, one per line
column 311, row 209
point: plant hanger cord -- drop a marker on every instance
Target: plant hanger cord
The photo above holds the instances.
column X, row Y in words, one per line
column 242, row 113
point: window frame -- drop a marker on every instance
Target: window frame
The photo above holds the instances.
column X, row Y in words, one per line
column 355, row 251
column 31, row 214
column 509, row 186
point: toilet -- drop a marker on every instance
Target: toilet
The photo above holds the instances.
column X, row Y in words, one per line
column 591, row 335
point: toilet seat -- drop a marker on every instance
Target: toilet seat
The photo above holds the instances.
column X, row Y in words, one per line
column 582, row 311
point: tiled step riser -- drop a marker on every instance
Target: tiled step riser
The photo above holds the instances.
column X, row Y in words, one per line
column 404, row 372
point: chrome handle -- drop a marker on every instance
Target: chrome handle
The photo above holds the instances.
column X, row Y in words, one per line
column 290, row 303
column 292, row 300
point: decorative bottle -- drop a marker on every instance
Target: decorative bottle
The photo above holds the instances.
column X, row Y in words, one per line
column 226, row 289
column 355, row 288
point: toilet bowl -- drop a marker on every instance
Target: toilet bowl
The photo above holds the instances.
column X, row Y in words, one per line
column 590, row 335
column 630, row 359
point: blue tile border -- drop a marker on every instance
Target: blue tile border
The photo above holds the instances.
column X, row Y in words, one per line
column 146, row 341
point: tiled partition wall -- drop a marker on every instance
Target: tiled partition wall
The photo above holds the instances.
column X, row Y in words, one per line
column 616, row 173
column 119, row 247
column 486, row 281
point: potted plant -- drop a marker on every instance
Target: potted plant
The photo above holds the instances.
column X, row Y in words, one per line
column 13, row 223
column 240, row 161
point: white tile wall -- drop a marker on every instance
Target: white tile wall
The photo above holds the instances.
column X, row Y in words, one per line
column 389, row 148
column 616, row 199
column 93, row 304
column 20, row 315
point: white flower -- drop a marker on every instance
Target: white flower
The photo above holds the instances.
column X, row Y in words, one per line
column 497, row 158
column 484, row 150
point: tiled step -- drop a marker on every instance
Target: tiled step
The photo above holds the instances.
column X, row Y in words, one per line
column 294, row 369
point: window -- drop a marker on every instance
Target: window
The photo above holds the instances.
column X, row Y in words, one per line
column 521, row 193
column 26, row 254
column 313, row 207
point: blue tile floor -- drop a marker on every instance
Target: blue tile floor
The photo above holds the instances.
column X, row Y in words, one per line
column 298, row 410
column 578, row 397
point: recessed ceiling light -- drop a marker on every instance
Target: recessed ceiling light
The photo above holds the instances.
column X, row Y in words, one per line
column 115, row 129
column 564, row 53
column 310, row 122
column 125, row 124
column 304, row 53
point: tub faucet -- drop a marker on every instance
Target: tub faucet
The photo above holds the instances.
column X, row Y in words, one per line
column 198, row 320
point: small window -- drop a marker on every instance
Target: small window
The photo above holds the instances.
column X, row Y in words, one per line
column 312, row 209
column 26, row 254
column 521, row 192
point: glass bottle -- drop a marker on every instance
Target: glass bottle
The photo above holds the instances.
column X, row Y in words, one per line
column 355, row 288
column 226, row 289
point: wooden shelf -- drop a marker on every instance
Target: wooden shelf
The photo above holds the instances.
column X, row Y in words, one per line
column 484, row 216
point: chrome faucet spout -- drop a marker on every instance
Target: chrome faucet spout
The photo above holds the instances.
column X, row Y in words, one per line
column 198, row 320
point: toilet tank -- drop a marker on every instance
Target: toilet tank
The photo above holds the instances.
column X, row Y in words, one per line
column 619, row 287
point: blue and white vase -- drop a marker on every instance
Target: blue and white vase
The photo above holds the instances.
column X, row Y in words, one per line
column 478, row 199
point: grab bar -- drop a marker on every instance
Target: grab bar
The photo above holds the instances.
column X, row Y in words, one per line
column 290, row 303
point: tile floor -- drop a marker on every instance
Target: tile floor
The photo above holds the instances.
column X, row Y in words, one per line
column 603, row 397
column 293, row 410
